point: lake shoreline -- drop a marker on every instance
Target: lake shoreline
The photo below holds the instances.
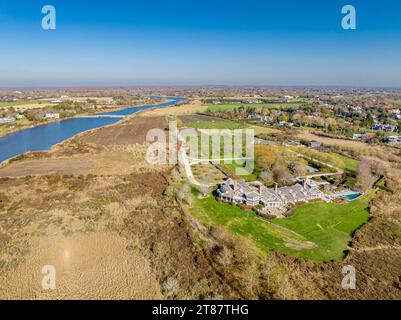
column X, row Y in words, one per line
column 32, row 126
column 162, row 101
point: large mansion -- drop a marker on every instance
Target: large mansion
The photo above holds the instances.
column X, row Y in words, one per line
column 255, row 193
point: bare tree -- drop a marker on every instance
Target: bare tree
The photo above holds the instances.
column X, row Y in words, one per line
column 281, row 174
column 365, row 178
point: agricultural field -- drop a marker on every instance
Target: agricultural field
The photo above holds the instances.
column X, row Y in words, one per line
column 317, row 231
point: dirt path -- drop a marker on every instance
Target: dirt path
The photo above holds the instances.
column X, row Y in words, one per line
column 378, row 247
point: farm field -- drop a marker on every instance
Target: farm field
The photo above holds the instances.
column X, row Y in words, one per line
column 318, row 231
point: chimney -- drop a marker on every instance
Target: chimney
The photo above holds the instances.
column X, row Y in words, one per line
column 304, row 183
column 235, row 185
column 276, row 187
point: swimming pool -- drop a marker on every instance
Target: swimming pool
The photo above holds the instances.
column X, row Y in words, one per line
column 352, row 196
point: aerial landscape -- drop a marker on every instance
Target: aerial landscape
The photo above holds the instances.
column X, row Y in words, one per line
column 187, row 159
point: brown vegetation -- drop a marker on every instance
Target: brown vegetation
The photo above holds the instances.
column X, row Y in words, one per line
column 139, row 214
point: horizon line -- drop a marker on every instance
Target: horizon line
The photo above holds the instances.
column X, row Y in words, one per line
column 138, row 86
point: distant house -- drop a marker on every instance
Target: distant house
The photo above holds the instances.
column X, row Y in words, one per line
column 285, row 124
column 394, row 140
column 57, row 101
column 52, row 116
column 357, row 136
column 384, row 127
column 7, row 120
column 356, row 109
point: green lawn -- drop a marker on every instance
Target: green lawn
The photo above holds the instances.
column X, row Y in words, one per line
column 317, row 231
column 350, row 165
column 216, row 124
column 224, row 107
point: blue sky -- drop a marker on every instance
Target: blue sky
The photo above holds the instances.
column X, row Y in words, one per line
column 193, row 42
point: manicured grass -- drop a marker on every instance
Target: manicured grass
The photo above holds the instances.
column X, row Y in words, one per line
column 216, row 124
column 317, row 231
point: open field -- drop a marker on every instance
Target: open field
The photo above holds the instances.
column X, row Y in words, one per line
column 192, row 107
column 206, row 122
column 306, row 135
column 317, row 231
column 128, row 132
column 27, row 104
column 224, row 107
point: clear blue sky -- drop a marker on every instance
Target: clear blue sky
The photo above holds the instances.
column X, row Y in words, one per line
column 199, row 42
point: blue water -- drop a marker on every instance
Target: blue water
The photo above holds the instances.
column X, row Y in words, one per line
column 352, row 196
column 44, row 137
